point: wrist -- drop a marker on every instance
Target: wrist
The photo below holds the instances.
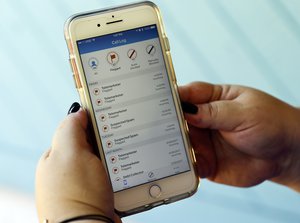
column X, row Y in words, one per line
column 68, row 210
column 89, row 219
column 92, row 221
column 289, row 163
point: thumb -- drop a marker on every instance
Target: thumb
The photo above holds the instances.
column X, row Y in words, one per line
column 71, row 134
column 221, row 115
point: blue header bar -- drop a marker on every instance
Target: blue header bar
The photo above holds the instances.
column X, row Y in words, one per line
column 117, row 39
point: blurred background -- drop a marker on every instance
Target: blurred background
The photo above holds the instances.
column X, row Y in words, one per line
column 249, row 42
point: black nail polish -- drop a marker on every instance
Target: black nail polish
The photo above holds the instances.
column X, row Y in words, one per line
column 74, row 108
column 189, row 108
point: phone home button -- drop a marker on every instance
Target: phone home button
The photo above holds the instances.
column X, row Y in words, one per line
column 155, row 191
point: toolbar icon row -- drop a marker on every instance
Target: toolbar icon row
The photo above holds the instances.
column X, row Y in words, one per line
column 113, row 57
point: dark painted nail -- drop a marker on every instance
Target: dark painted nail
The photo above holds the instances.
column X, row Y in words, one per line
column 74, row 108
column 189, row 108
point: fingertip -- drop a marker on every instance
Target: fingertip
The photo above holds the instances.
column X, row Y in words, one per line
column 72, row 132
column 77, row 112
column 183, row 92
column 78, row 118
column 189, row 108
column 197, row 120
column 197, row 92
column 74, row 108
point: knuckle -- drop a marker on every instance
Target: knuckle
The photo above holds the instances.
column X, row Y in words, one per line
column 213, row 110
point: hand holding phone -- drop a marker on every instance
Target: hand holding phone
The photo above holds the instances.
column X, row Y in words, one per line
column 124, row 75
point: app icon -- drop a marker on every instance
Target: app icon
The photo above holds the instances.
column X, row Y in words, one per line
column 112, row 58
column 113, row 159
column 93, row 63
column 105, row 128
column 102, row 117
column 99, row 102
column 150, row 174
column 96, row 91
column 115, row 170
column 150, row 49
column 109, row 144
column 132, row 54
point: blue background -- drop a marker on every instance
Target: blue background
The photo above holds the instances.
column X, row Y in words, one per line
column 249, row 42
column 106, row 41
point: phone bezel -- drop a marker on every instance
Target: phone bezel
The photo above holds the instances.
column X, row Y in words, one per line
column 85, row 26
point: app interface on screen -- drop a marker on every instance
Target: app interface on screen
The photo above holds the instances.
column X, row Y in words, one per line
column 133, row 105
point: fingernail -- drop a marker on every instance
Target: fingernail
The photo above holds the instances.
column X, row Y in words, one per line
column 189, row 108
column 74, row 108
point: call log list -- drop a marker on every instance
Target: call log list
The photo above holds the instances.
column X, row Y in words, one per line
column 133, row 106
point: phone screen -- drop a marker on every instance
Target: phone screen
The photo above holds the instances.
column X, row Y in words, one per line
column 133, row 105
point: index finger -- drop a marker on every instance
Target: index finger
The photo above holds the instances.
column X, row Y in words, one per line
column 200, row 92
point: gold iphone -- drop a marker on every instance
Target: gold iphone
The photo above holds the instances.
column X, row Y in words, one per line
column 123, row 72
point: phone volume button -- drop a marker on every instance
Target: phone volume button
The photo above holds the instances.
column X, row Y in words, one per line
column 75, row 73
column 71, row 67
column 167, row 43
column 77, row 80
column 171, row 67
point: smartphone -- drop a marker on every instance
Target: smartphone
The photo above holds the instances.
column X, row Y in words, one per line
column 123, row 72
